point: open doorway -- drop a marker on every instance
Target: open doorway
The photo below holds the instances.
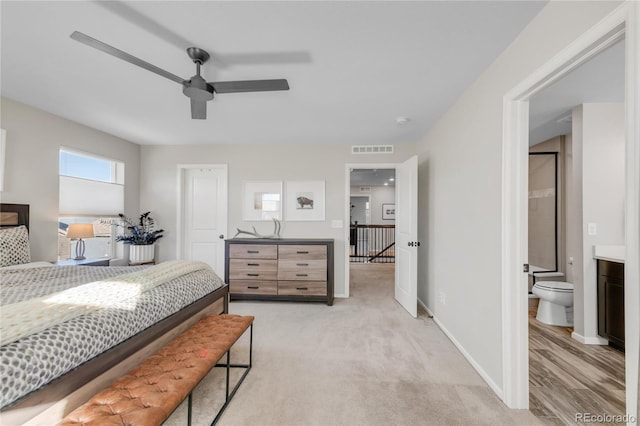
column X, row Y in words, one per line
column 371, row 226
column 576, row 175
column 602, row 36
column 372, row 215
column 403, row 212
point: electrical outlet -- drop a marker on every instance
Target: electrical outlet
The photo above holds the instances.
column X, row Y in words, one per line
column 592, row 229
column 443, row 298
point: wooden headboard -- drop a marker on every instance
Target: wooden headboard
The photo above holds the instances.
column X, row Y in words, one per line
column 12, row 215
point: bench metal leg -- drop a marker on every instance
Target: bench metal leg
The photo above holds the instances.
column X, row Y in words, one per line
column 228, row 366
column 226, row 399
column 189, row 404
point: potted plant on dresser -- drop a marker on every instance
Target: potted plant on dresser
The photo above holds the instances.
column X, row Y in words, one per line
column 140, row 237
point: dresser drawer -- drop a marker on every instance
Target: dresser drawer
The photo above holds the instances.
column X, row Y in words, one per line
column 306, row 288
column 253, row 287
column 294, row 252
column 253, row 251
column 253, row 269
column 253, row 265
column 313, row 270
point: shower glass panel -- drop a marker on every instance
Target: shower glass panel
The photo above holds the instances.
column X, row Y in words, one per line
column 543, row 210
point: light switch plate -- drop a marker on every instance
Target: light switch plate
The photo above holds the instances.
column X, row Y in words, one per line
column 337, row 223
column 592, row 229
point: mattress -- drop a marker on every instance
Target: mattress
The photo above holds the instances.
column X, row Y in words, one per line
column 35, row 360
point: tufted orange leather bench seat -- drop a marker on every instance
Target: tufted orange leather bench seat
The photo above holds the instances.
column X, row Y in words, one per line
column 149, row 393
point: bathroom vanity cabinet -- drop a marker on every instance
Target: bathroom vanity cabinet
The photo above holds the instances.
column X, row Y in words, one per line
column 611, row 302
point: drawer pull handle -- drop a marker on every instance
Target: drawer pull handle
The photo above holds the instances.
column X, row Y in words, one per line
column 302, row 264
column 302, row 288
column 253, row 287
column 302, row 275
column 302, row 252
column 253, row 275
column 253, row 251
column 253, row 264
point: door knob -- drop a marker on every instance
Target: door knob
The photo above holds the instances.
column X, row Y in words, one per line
column 221, row 236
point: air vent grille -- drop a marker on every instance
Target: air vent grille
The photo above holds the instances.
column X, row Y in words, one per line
column 372, row 149
column 365, row 189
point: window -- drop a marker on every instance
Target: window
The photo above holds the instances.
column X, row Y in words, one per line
column 91, row 191
column 83, row 166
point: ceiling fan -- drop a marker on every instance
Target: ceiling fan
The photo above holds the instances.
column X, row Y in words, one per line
column 195, row 88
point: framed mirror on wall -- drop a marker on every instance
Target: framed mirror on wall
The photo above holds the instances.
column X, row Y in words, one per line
column 543, row 211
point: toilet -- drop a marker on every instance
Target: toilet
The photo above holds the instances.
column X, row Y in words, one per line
column 556, row 302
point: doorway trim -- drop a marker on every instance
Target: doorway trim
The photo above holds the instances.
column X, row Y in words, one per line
column 347, row 216
column 622, row 22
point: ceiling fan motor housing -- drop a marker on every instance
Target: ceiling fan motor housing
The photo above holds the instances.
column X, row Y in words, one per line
column 198, row 89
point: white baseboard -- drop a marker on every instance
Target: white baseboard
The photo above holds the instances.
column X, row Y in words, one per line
column 597, row 340
column 424, row 306
column 340, row 296
column 494, row 387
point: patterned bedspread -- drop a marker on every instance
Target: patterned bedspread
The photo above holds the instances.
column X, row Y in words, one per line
column 35, row 360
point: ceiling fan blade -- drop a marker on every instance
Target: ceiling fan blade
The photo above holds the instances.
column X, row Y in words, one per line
column 97, row 44
column 249, row 86
column 198, row 109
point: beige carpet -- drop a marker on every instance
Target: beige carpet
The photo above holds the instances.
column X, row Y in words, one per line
column 362, row 361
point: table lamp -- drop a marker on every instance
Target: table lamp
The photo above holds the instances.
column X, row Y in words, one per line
column 78, row 231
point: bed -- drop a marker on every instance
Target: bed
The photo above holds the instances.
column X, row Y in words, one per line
column 49, row 369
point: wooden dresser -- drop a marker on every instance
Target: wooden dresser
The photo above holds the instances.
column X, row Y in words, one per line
column 285, row 269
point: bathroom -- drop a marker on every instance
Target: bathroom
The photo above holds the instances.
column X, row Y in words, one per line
column 576, row 249
column 563, row 195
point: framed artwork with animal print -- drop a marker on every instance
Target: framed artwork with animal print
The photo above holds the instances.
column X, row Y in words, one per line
column 304, row 200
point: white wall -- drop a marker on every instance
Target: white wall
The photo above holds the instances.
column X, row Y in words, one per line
column 599, row 173
column 460, row 189
column 573, row 227
column 379, row 195
column 34, row 138
column 158, row 185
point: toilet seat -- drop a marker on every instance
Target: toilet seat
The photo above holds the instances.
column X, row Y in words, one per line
column 558, row 286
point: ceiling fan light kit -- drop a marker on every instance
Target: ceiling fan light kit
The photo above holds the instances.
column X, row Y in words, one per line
column 197, row 89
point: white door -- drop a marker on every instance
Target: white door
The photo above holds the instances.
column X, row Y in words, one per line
column 406, row 291
column 204, row 215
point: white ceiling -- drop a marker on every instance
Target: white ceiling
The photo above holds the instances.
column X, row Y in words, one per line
column 353, row 67
column 599, row 80
column 373, row 177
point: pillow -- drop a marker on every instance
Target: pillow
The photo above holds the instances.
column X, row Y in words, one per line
column 14, row 246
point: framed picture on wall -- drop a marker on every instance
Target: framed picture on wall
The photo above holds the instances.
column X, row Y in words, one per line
column 262, row 200
column 388, row 211
column 304, row 200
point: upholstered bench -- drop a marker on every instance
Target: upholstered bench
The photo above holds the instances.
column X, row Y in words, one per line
column 149, row 393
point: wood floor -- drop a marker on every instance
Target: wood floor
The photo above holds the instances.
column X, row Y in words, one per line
column 567, row 377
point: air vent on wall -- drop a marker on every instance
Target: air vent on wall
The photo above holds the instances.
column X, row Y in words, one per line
column 365, row 189
column 372, row 149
